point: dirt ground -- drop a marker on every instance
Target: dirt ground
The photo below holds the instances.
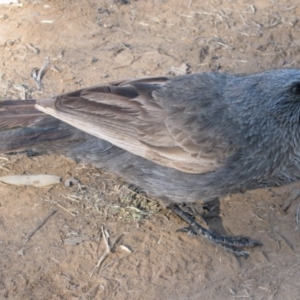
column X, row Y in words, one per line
column 88, row 42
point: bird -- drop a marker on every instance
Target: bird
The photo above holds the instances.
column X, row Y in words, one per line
column 185, row 139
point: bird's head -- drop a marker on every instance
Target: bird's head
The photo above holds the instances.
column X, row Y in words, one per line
column 274, row 93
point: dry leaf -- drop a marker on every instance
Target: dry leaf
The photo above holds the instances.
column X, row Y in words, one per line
column 34, row 180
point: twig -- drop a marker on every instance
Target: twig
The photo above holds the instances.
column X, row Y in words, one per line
column 273, row 294
column 60, row 206
column 38, row 74
column 106, row 253
column 39, row 226
column 127, row 65
column 106, row 266
column 34, row 49
column 42, row 71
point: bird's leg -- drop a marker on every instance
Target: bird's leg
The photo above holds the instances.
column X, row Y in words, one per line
column 231, row 244
column 205, row 211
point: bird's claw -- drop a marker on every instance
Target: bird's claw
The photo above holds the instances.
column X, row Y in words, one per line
column 230, row 243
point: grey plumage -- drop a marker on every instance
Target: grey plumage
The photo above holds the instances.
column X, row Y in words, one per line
column 184, row 139
column 223, row 133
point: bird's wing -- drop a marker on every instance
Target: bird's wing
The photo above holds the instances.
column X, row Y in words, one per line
column 131, row 115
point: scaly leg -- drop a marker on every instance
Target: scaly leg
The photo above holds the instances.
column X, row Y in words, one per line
column 231, row 244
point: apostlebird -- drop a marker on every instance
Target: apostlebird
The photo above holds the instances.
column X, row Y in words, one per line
column 185, row 139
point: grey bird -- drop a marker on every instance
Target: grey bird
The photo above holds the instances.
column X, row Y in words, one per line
column 185, row 139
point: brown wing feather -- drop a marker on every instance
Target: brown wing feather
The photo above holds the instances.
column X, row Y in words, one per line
column 127, row 114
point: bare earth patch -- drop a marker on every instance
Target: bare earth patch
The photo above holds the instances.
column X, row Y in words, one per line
column 88, row 42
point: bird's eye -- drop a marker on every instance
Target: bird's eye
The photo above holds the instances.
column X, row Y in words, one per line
column 296, row 89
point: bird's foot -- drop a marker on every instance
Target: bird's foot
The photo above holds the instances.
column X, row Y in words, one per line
column 232, row 244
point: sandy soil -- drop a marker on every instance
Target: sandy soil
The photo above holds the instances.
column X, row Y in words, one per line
column 88, row 42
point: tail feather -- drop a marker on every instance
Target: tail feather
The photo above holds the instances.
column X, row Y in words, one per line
column 22, row 127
